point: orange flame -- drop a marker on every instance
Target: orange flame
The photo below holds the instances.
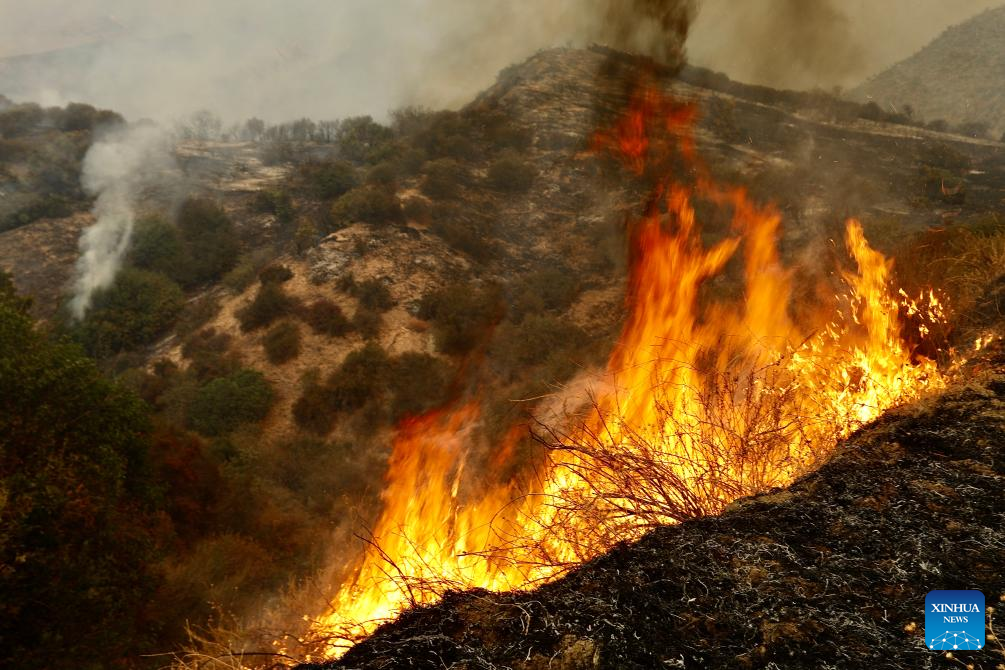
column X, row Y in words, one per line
column 706, row 401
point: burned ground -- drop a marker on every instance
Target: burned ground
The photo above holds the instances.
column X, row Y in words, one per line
column 829, row 573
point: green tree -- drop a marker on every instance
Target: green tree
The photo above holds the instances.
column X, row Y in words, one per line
column 210, row 237
column 76, row 504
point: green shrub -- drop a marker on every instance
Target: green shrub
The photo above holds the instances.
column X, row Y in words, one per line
column 196, row 314
column 136, row 309
column 462, row 232
column 227, row 402
column 383, row 174
column 312, row 411
column 368, row 204
column 158, row 246
column 360, row 139
column 461, row 316
column 367, row 322
column 276, row 202
column 210, row 237
column 419, row 382
column 373, row 294
column 554, row 288
column 275, row 274
column 361, row 377
column 534, row 340
column 282, row 342
column 329, row 180
column 444, row 179
column 511, row 173
column 207, row 352
column 80, row 530
column 270, row 303
column 417, row 210
column 246, row 270
column 326, row 318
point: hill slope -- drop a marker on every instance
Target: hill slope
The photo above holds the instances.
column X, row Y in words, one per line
column 959, row 77
column 831, row 572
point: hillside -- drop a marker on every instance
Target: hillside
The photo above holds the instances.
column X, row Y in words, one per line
column 959, row 77
column 831, row 572
column 297, row 293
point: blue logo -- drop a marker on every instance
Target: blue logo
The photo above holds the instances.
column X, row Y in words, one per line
column 954, row 620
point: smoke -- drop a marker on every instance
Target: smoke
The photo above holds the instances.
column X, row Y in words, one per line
column 281, row 61
column 116, row 169
column 803, row 44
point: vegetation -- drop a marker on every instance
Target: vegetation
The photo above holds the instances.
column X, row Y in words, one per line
column 461, row 316
column 41, row 152
column 136, row 309
column 225, row 403
column 210, row 238
column 368, row 204
column 444, row 178
column 282, row 342
column 511, row 173
column 326, row 318
column 79, row 537
column 329, row 180
column 269, row 304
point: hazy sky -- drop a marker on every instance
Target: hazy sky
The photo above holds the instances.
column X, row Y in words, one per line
column 330, row 58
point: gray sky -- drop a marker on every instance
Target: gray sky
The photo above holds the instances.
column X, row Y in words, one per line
column 330, row 58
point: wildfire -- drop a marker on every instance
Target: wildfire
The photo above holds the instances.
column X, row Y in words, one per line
column 705, row 400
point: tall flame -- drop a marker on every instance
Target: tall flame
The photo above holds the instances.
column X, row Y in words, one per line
column 705, row 401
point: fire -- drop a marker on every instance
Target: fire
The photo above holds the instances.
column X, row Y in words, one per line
column 705, row 399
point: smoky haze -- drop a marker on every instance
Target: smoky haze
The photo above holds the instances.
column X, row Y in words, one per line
column 325, row 59
column 314, row 58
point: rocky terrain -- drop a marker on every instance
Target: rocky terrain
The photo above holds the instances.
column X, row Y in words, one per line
column 959, row 77
column 829, row 573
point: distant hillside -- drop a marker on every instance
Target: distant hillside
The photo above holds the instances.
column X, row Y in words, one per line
column 959, row 77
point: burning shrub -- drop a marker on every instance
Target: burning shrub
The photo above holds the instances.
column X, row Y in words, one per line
column 511, row 173
column 227, row 402
column 282, row 342
column 270, row 303
column 326, row 318
column 368, row 204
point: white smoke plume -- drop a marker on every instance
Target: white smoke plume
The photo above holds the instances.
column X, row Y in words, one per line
column 116, row 170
